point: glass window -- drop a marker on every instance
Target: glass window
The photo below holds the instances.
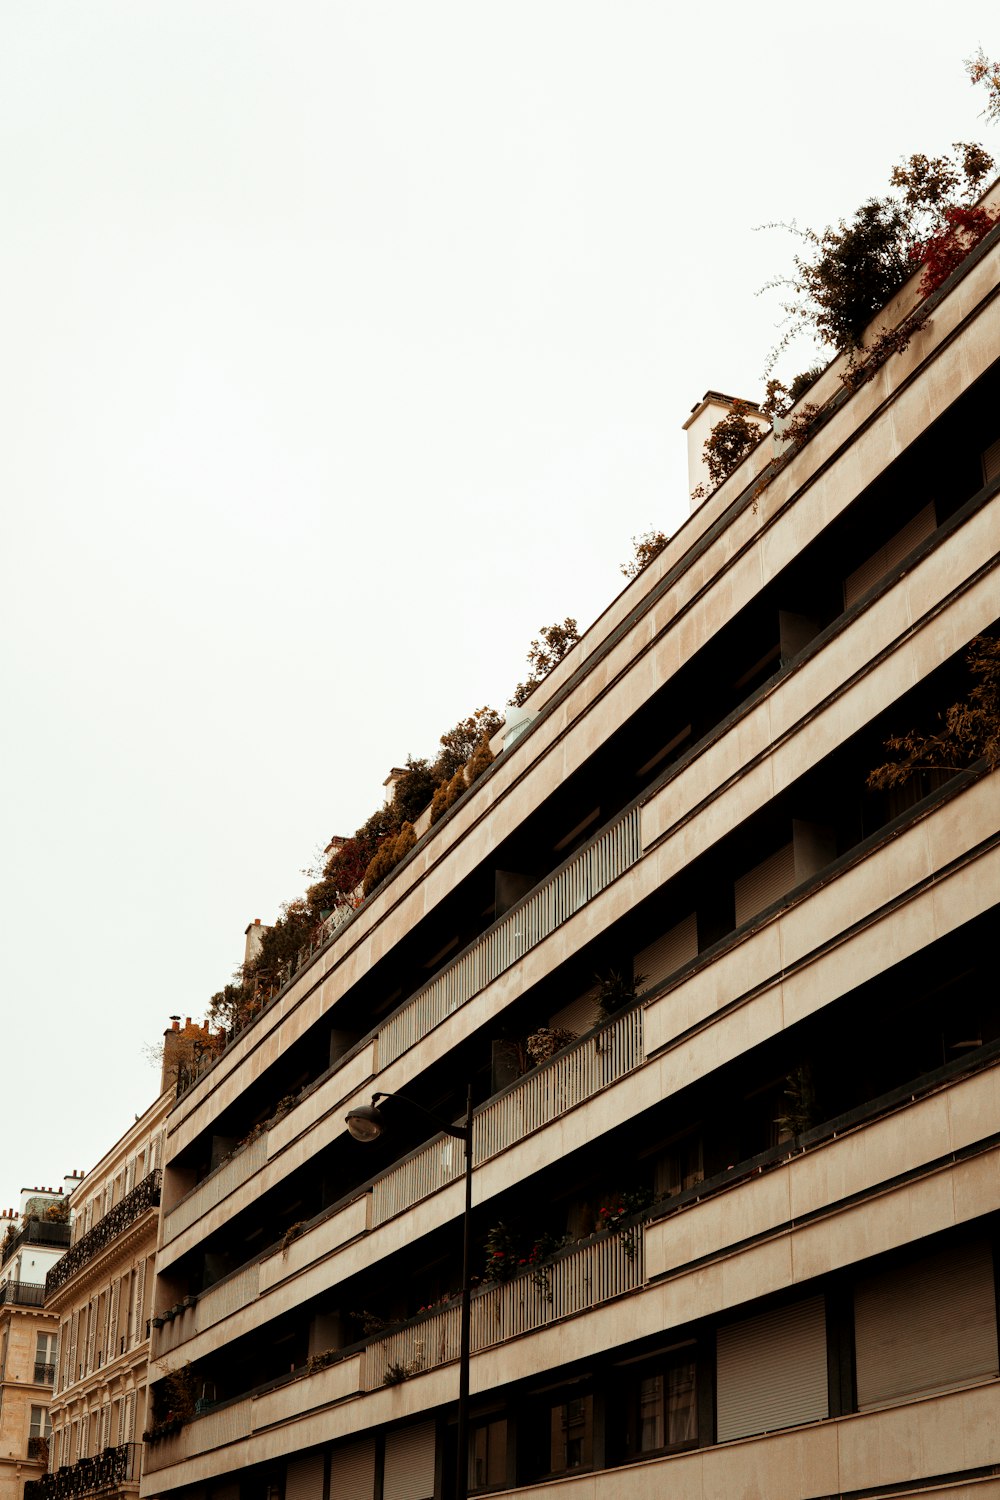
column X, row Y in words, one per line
column 488, row 1456
column 41, row 1427
column 661, row 1406
column 572, row 1435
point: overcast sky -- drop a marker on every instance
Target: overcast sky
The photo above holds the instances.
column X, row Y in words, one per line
column 343, row 346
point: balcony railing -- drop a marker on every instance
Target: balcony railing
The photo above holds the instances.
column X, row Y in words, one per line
column 88, row 1476
column 540, row 1097
column 22, row 1293
column 105, row 1231
column 45, row 1374
column 38, row 1450
column 578, row 881
column 574, row 1282
column 540, row 913
column 35, row 1232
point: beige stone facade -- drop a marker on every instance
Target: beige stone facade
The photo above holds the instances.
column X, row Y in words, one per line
column 34, row 1237
column 100, row 1295
column 738, row 1236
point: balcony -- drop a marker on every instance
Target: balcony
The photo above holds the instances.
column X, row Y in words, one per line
column 543, row 1095
column 105, row 1231
column 106, row 1471
column 45, row 1374
column 36, row 1232
column 22, row 1294
column 577, row 1280
column 553, row 902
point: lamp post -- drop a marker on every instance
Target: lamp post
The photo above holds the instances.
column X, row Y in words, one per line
column 365, row 1124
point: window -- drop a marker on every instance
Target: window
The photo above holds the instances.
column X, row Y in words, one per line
column 488, row 1455
column 657, row 1405
column 41, row 1427
column 46, row 1347
column 571, row 1444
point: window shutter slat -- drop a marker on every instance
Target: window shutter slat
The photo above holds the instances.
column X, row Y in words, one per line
column 771, row 1370
column 409, row 1463
column 926, row 1326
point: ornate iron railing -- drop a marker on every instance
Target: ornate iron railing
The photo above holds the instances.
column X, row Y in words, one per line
column 114, row 1223
column 88, row 1476
column 23, row 1293
column 45, row 1374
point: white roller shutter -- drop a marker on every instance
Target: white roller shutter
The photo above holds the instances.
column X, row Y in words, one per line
column 352, row 1472
column 304, row 1479
column 579, row 1016
column 926, row 1326
column 671, row 950
column 771, row 1371
column 887, row 558
column 765, row 883
column 409, row 1463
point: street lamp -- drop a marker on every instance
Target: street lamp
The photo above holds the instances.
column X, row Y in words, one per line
column 365, row 1124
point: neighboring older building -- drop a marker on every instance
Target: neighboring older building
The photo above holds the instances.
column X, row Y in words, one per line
column 33, row 1239
column 99, row 1294
column 730, row 1020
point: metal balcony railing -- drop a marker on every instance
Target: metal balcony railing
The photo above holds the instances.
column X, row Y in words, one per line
column 142, row 1198
column 45, row 1374
column 578, row 881
column 22, row 1294
column 553, row 902
column 572, row 1283
column 35, row 1232
column 38, row 1449
column 88, row 1476
column 540, row 1097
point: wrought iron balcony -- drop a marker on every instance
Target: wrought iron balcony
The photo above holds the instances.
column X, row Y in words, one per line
column 89, row 1476
column 38, row 1449
column 106, row 1230
column 22, row 1294
column 35, row 1232
column 45, row 1374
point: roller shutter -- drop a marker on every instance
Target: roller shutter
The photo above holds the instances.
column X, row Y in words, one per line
column 771, row 1371
column 889, row 557
column 304, row 1478
column 579, row 1016
column 765, row 883
column 352, row 1472
column 409, row 1463
column 661, row 958
column 926, row 1326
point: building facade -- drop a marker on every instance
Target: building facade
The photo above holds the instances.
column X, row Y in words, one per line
column 99, row 1296
column 34, row 1237
column 730, row 1021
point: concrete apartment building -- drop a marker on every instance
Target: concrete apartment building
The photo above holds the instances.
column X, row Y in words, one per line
column 98, row 1296
column 34, row 1236
column 738, row 1235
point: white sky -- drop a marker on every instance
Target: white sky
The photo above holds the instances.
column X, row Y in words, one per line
column 343, row 346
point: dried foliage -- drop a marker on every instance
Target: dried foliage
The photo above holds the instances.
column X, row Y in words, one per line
column 447, row 795
column 388, row 857
column 459, row 744
column 968, row 731
column 644, row 548
column 480, row 761
column 553, row 643
column 982, row 71
column 730, row 440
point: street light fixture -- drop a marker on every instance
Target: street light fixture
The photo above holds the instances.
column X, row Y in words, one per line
column 365, row 1124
